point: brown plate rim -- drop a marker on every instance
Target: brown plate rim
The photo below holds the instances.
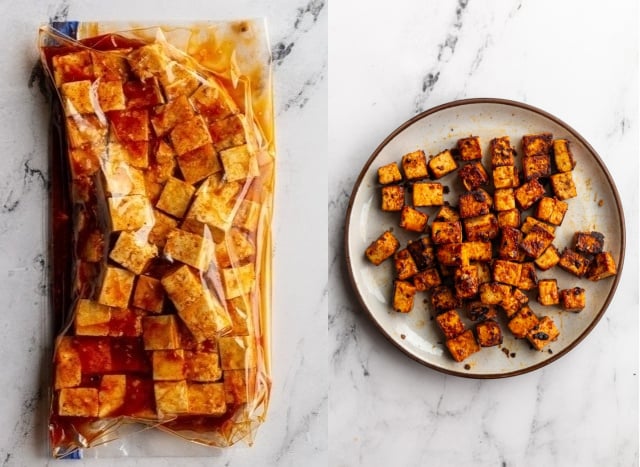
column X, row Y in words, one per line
column 511, row 103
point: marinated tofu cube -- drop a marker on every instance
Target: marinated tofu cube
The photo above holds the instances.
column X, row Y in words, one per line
column 469, row 148
column 160, row 332
column 131, row 212
column 189, row 134
column 148, row 294
column 602, row 266
column 531, row 222
column 78, row 402
column 563, row 186
column 502, row 153
column 478, row 311
column 477, row 251
column 76, row 97
column 548, row 292
column 536, row 242
column 441, row 164
column 128, row 154
column 171, row 398
column 536, row 167
column 537, row 144
column 427, row 279
column 68, row 367
column 447, row 214
column 238, row 280
column 446, row 232
column 110, row 65
column 507, row 272
column 85, row 130
column 148, row 61
column 414, row 165
column 241, row 315
column 513, row 302
column 120, row 179
column 116, row 288
column 548, row 259
column 175, row 197
column 205, row 317
column 207, row 399
column 239, row 163
column 412, row 219
column 473, row 176
column 474, row 203
column 126, row 322
column 452, row 254
column 509, row 246
column 382, row 248
column 212, row 102
column 506, row 176
column 392, row 198
column 484, row 272
column 236, row 248
column 589, row 242
column 239, row 386
column 85, row 160
column 543, row 333
column 162, row 226
column 523, row 322
column 404, row 264
column 510, row 218
column 111, row 394
column 165, row 117
column 462, row 346
column 450, row 324
column 466, row 281
column 389, row 173
column 130, row 124
column 91, row 318
column 142, row 94
column 248, row 215
column 428, row 194
column 574, row 262
column 493, row 293
column 72, row 67
column 489, row 333
column 111, row 96
column 443, row 298
column 237, row 352
column 528, row 193
column 189, row 248
column 574, row 299
column 179, row 80
column 563, row 156
column 198, row 164
column 551, row 210
column 214, row 204
column 132, row 252
column 202, row 366
column 504, row 199
column 164, row 164
column 403, row 295
column 168, row 365
column 183, row 286
column 528, row 277
column 422, row 252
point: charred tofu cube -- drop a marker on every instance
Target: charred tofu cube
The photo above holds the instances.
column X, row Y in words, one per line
column 510, row 218
column 422, row 252
column 504, row 199
column 478, row 311
column 389, row 173
column 188, row 135
column 446, row 232
column 116, row 288
column 506, row 272
column 574, row 262
column 414, row 165
column 91, row 318
column 469, row 148
column 76, row 96
column 148, row 294
column 450, row 324
column 466, row 281
column 548, row 292
column 531, row 222
column 239, row 163
column 563, row 186
column 563, row 156
column 493, row 293
column 130, row 125
column 509, row 246
column 198, row 164
column 574, row 299
column 132, row 252
column 427, row 279
column 502, row 153
column 404, row 264
column 473, row 176
column 452, row 254
column 392, row 198
column 513, row 302
column 474, row 203
column 522, row 322
column 160, row 332
column 171, row 397
column 382, row 248
column 168, row 365
column 413, row 220
column 506, row 176
column 178, row 80
column 602, row 266
column 489, row 333
column 529, row 193
column 441, row 164
column 536, row 167
column 548, row 259
column 78, row 402
column 477, row 251
column 462, row 346
column 189, row 248
column 428, row 194
column 544, row 332
column 536, row 242
column 537, row 144
column 528, row 278
column 551, row 210
column 447, row 214
column 443, row 298
column 589, row 242
column 85, row 130
column 207, row 399
column 165, row 117
column 403, row 295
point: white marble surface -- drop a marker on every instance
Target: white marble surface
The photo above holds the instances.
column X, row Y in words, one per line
column 388, row 62
column 296, row 430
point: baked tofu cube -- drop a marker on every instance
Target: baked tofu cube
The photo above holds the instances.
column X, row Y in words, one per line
column 76, row 97
column 164, row 165
column 168, row 365
column 462, row 346
column 452, row 254
column 531, row 222
column 469, row 148
column 574, row 262
column 466, row 281
column 507, row 272
column 132, row 252
column 574, row 299
column 529, row 193
column 446, row 232
column 513, row 302
column 111, row 394
column 111, row 96
column 477, row 251
column 198, row 164
column 536, row 167
column 413, row 220
column 382, row 248
column 165, row 117
column 162, row 225
column 522, row 322
column 443, row 298
column 441, row 164
column 404, row 264
column 602, row 266
column 189, row 134
column 171, row 397
column 482, row 228
column 450, row 324
column 212, row 102
column 85, row 130
column 537, row 144
column 239, row 163
column 427, row 194
column 548, row 292
column 548, row 259
column 207, row 399
column 562, row 155
column 389, row 173
column 493, row 293
column 422, row 252
column 510, row 218
column 414, row 165
column 403, row 295
column 214, row 203
column 528, row 278
column 563, row 186
column 189, row 248
column 504, row 199
column 72, row 67
column 502, row 153
column 205, row 317
column 489, row 333
column 478, row 311
column 68, row 367
column 178, row 80
column 474, row 203
column 239, row 386
column 78, row 402
column 239, row 280
column 392, row 198
column 91, row 318
column 130, row 212
column 116, row 288
column 543, row 333
column 509, row 246
column 536, row 242
column 589, row 242
column 447, row 214
column 427, row 279
column 484, row 272
column 202, row 366
column 473, row 176
column 160, row 332
column 183, row 286
column 148, row 294
column 551, row 210
column 175, row 197
column 506, row 176
column 237, row 352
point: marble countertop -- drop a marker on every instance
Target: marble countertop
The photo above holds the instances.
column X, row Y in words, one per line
column 389, row 62
column 295, row 432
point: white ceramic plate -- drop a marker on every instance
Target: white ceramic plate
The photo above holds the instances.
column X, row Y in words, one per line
column 597, row 207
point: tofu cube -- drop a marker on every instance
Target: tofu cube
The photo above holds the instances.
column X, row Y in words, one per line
column 212, row 102
column 531, row 222
column 116, row 288
column 404, row 264
column 175, row 197
column 450, row 324
column 110, row 65
column 183, row 286
column 236, row 248
column 510, row 218
column 228, row 132
column 132, row 252
column 131, row 212
column 548, row 292
column 111, row 95
column 427, row 279
column 77, row 97
column 165, row 117
column 237, row 352
column 574, row 262
column 474, row 203
column 188, row 135
column 536, row 167
column 513, row 302
column 142, row 94
column 189, row 248
column 528, row 193
column 214, row 204
column 126, row 322
column 414, row 165
column 548, row 259
column 428, row 194
column 202, row 366
column 563, row 186
column 119, row 179
column 509, row 246
column 413, row 220
column 148, row 294
column 574, row 299
column 239, row 163
column 489, row 333
column 111, row 394
column 382, row 248
column 469, row 148
column 551, row 210
column 536, row 242
column 466, row 281
column 392, row 198
column 473, row 176
column 178, row 80
column 389, row 173
column 452, row 254
column 205, row 317
column 248, row 215
column 478, row 251
column 239, row 386
column 537, row 144
column 478, row 311
column 507, row 272
column 168, row 365
column 502, row 153
column 504, row 199
column 403, row 295
column 493, row 293
column 85, row 130
column 128, row 154
column 484, row 272
column 443, row 298
column 441, row 164
column 543, row 333
column 162, row 225
column 160, row 332
column 78, row 402
column 85, row 160
column 528, row 277
column 75, row 66
column 589, row 242
column 238, row 280
column 506, row 176
column 563, row 156
column 462, row 346
column 148, row 61
column 198, row 164
column 130, row 125
column 447, row 214
column 602, row 266
column 91, row 318
column 522, row 322
column 481, row 228
column 446, row 232
column 422, row 253
column 68, row 367
column 171, row 398
column 207, row 399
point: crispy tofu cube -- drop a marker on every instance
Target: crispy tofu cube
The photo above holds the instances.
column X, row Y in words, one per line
column 493, row 293
column 489, row 333
column 91, row 318
column 462, row 346
column 382, row 248
column 413, row 220
column 427, row 279
column 68, row 367
column 548, row 259
column 171, row 397
column 111, row 394
column 85, row 130
column 207, row 399
column 509, row 246
column 528, row 193
column 589, row 242
column 205, row 317
column 238, row 280
column 132, row 252
column 452, row 254
column 389, row 173
column 160, row 332
column 502, row 153
column 506, row 176
column 443, row 298
column 478, row 311
column 474, row 203
column 563, row 156
column 478, row 251
column 72, row 67
column 189, row 134
column 484, row 272
column 111, row 96
column 513, row 302
column 414, row 165
column 248, row 215
column 536, row 167
column 175, row 197
column 441, row 164
column 403, row 295
column 110, row 65
column 178, row 80
column 574, row 262
column 239, row 163
column 168, row 365
column 473, row 176
column 446, row 232
column 469, row 148
column 78, row 402
column 202, row 366
column 77, row 97
column 528, row 278
column 510, row 218
column 189, row 248
column 450, row 324
column 422, row 252
column 228, row 132
column 551, row 210
column 522, row 322
column 531, row 222
column 183, row 286
column 537, row 144
column 563, row 186
column 116, row 287
column 236, row 248
column 504, row 199
column 162, row 226
column 447, row 214
column 198, row 164
column 404, row 264
column 392, row 198
column 548, row 292
column 165, row 117
column 507, row 272
column 482, row 228
column 574, row 299
column 602, row 266
column 543, row 333
column 239, row 386
column 212, row 102
column 237, row 352
column 148, row 294
column 466, row 281
column 536, row 241
column 428, row 194
column 131, row 212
